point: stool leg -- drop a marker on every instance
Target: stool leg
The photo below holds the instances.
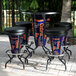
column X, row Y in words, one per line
column 8, row 54
column 8, row 61
column 9, row 57
column 47, row 49
column 21, row 61
column 49, row 61
column 63, row 61
column 44, row 50
column 30, row 54
column 47, row 64
column 32, row 49
column 26, row 61
column 67, row 52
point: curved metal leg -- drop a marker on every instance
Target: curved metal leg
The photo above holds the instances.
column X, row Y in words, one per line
column 67, row 52
column 8, row 61
column 47, row 49
column 44, row 50
column 9, row 57
column 8, row 54
column 63, row 61
column 30, row 54
column 26, row 61
column 21, row 61
column 47, row 64
column 49, row 61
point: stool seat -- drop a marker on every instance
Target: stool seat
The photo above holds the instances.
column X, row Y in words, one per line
column 65, row 25
column 55, row 32
column 26, row 24
column 15, row 30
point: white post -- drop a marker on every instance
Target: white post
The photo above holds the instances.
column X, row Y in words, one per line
column 5, row 17
column 75, row 19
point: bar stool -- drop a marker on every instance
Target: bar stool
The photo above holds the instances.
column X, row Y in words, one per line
column 55, row 35
column 28, row 26
column 16, row 39
column 67, row 26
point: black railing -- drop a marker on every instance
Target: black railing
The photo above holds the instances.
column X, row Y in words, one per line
column 10, row 13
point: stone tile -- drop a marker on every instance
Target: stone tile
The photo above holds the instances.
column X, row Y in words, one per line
column 60, row 67
column 52, row 66
column 62, row 73
column 73, row 68
column 53, row 71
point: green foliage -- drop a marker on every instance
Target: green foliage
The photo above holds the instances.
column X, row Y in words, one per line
column 34, row 5
column 41, row 5
column 74, row 5
column 25, row 4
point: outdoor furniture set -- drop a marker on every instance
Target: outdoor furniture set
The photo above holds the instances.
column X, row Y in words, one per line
column 19, row 35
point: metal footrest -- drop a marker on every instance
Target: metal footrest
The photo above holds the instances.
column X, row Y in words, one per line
column 11, row 56
column 51, row 57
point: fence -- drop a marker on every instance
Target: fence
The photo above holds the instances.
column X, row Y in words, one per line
column 10, row 13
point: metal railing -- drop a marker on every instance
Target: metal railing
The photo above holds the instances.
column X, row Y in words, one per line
column 11, row 13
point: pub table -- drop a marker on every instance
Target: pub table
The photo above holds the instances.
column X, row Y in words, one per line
column 39, row 26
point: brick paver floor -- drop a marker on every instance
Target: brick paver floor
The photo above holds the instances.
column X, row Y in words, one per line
column 37, row 63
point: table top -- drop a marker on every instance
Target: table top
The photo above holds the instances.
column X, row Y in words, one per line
column 39, row 13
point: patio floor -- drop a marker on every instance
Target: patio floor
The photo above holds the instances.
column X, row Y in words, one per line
column 37, row 63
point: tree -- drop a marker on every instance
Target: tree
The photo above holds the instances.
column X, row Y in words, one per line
column 66, row 11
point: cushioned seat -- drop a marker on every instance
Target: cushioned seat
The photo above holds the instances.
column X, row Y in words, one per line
column 66, row 25
column 24, row 24
column 55, row 32
column 15, row 30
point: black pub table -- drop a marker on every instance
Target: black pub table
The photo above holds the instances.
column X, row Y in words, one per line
column 39, row 26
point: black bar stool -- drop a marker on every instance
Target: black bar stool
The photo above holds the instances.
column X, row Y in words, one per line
column 28, row 26
column 67, row 26
column 55, row 35
column 16, row 39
